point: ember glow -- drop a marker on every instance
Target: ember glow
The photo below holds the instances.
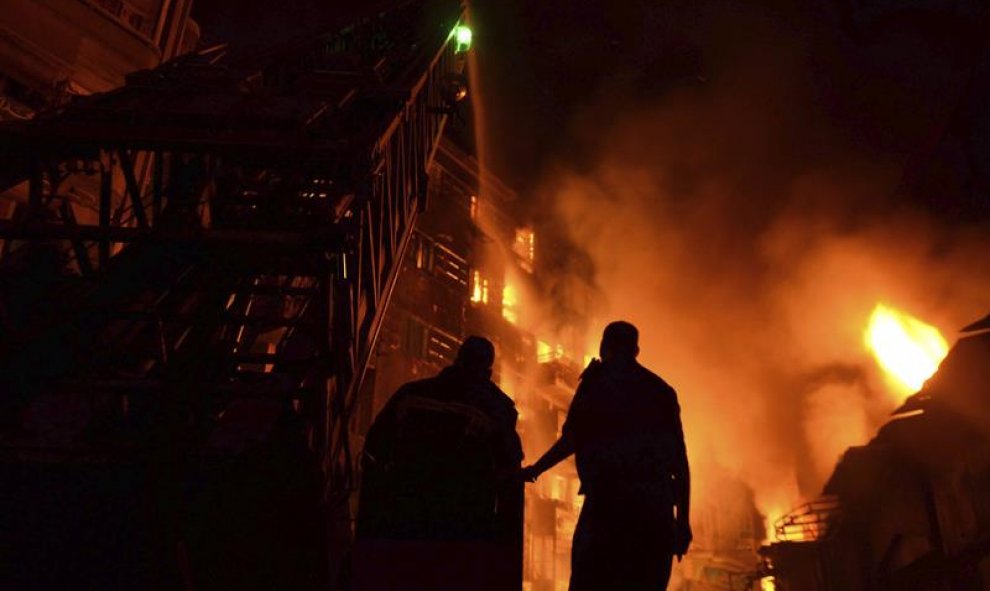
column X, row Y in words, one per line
column 545, row 352
column 908, row 350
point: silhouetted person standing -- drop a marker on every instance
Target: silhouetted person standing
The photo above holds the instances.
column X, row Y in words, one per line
column 624, row 428
column 440, row 493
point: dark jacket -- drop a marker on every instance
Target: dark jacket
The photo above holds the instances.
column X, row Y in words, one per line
column 436, row 458
column 626, row 430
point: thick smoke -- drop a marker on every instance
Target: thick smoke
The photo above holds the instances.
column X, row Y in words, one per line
column 750, row 241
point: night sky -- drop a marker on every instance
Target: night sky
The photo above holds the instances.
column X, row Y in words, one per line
column 886, row 79
column 883, row 76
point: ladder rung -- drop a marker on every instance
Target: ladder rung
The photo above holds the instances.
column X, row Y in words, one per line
column 276, row 290
column 245, row 320
column 273, row 358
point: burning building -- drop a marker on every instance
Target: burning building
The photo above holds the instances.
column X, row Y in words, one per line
column 474, row 267
column 469, row 271
column 908, row 510
column 718, row 260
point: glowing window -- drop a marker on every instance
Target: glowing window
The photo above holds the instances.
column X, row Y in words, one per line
column 479, row 288
column 510, row 304
column 525, row 246
column 544, row 352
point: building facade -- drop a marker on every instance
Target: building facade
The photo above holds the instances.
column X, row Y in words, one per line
column 469, row 271
column 474, row 268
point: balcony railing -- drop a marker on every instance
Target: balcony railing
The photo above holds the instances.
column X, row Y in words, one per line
column 809, row 522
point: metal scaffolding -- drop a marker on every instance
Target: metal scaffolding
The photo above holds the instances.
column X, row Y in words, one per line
column 223, row 232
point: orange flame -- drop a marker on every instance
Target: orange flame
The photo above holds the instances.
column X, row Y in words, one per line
column 479, row 289
column 907, row 349
column 770, row 521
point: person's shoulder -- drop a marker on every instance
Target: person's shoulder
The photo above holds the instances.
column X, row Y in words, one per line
column 491, row 400
column 419, row 384
column 655, row 381
column 503, row 400
column 421, row 387
column 593, row 372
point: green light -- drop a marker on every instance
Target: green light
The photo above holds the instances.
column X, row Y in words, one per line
column 463, row 36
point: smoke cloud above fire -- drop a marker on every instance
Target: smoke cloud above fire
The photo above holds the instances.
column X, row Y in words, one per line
column 749, row 236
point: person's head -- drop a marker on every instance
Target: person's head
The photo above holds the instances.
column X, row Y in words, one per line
column 476, row 357
column 620, row 342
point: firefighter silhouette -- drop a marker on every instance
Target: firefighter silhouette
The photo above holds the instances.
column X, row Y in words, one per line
column 624, row 428
column 441, row 459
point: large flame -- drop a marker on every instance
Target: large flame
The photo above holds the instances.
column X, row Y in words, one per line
column 771, row 518
column 907, row 349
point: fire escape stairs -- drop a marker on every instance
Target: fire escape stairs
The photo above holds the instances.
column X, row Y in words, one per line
column 250, row 211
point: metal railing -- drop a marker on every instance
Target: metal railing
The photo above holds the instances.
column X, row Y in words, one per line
column 809, row 522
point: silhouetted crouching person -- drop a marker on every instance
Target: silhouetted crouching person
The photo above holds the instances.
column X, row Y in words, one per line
column 439, row 483
column 624, row 428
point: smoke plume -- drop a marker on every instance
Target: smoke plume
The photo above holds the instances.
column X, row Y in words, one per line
column 736, row 222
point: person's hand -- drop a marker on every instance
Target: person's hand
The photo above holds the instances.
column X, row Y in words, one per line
column 682, row 538
column 529, row 474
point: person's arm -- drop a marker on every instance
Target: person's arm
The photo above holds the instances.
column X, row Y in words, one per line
column 557, row 453
column 379, row 443
column 510, row 498
column 376, row 505
column 682, row 472
column 682, row 485
column 567, row 444
column 509, row 447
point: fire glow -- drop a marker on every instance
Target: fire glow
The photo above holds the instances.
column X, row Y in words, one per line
column 907, row 349
column 479, row 289
column 510, row 304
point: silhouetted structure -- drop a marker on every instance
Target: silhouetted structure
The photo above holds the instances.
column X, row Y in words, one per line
column 625, row 431
column 909, row 510
column 192, row 282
